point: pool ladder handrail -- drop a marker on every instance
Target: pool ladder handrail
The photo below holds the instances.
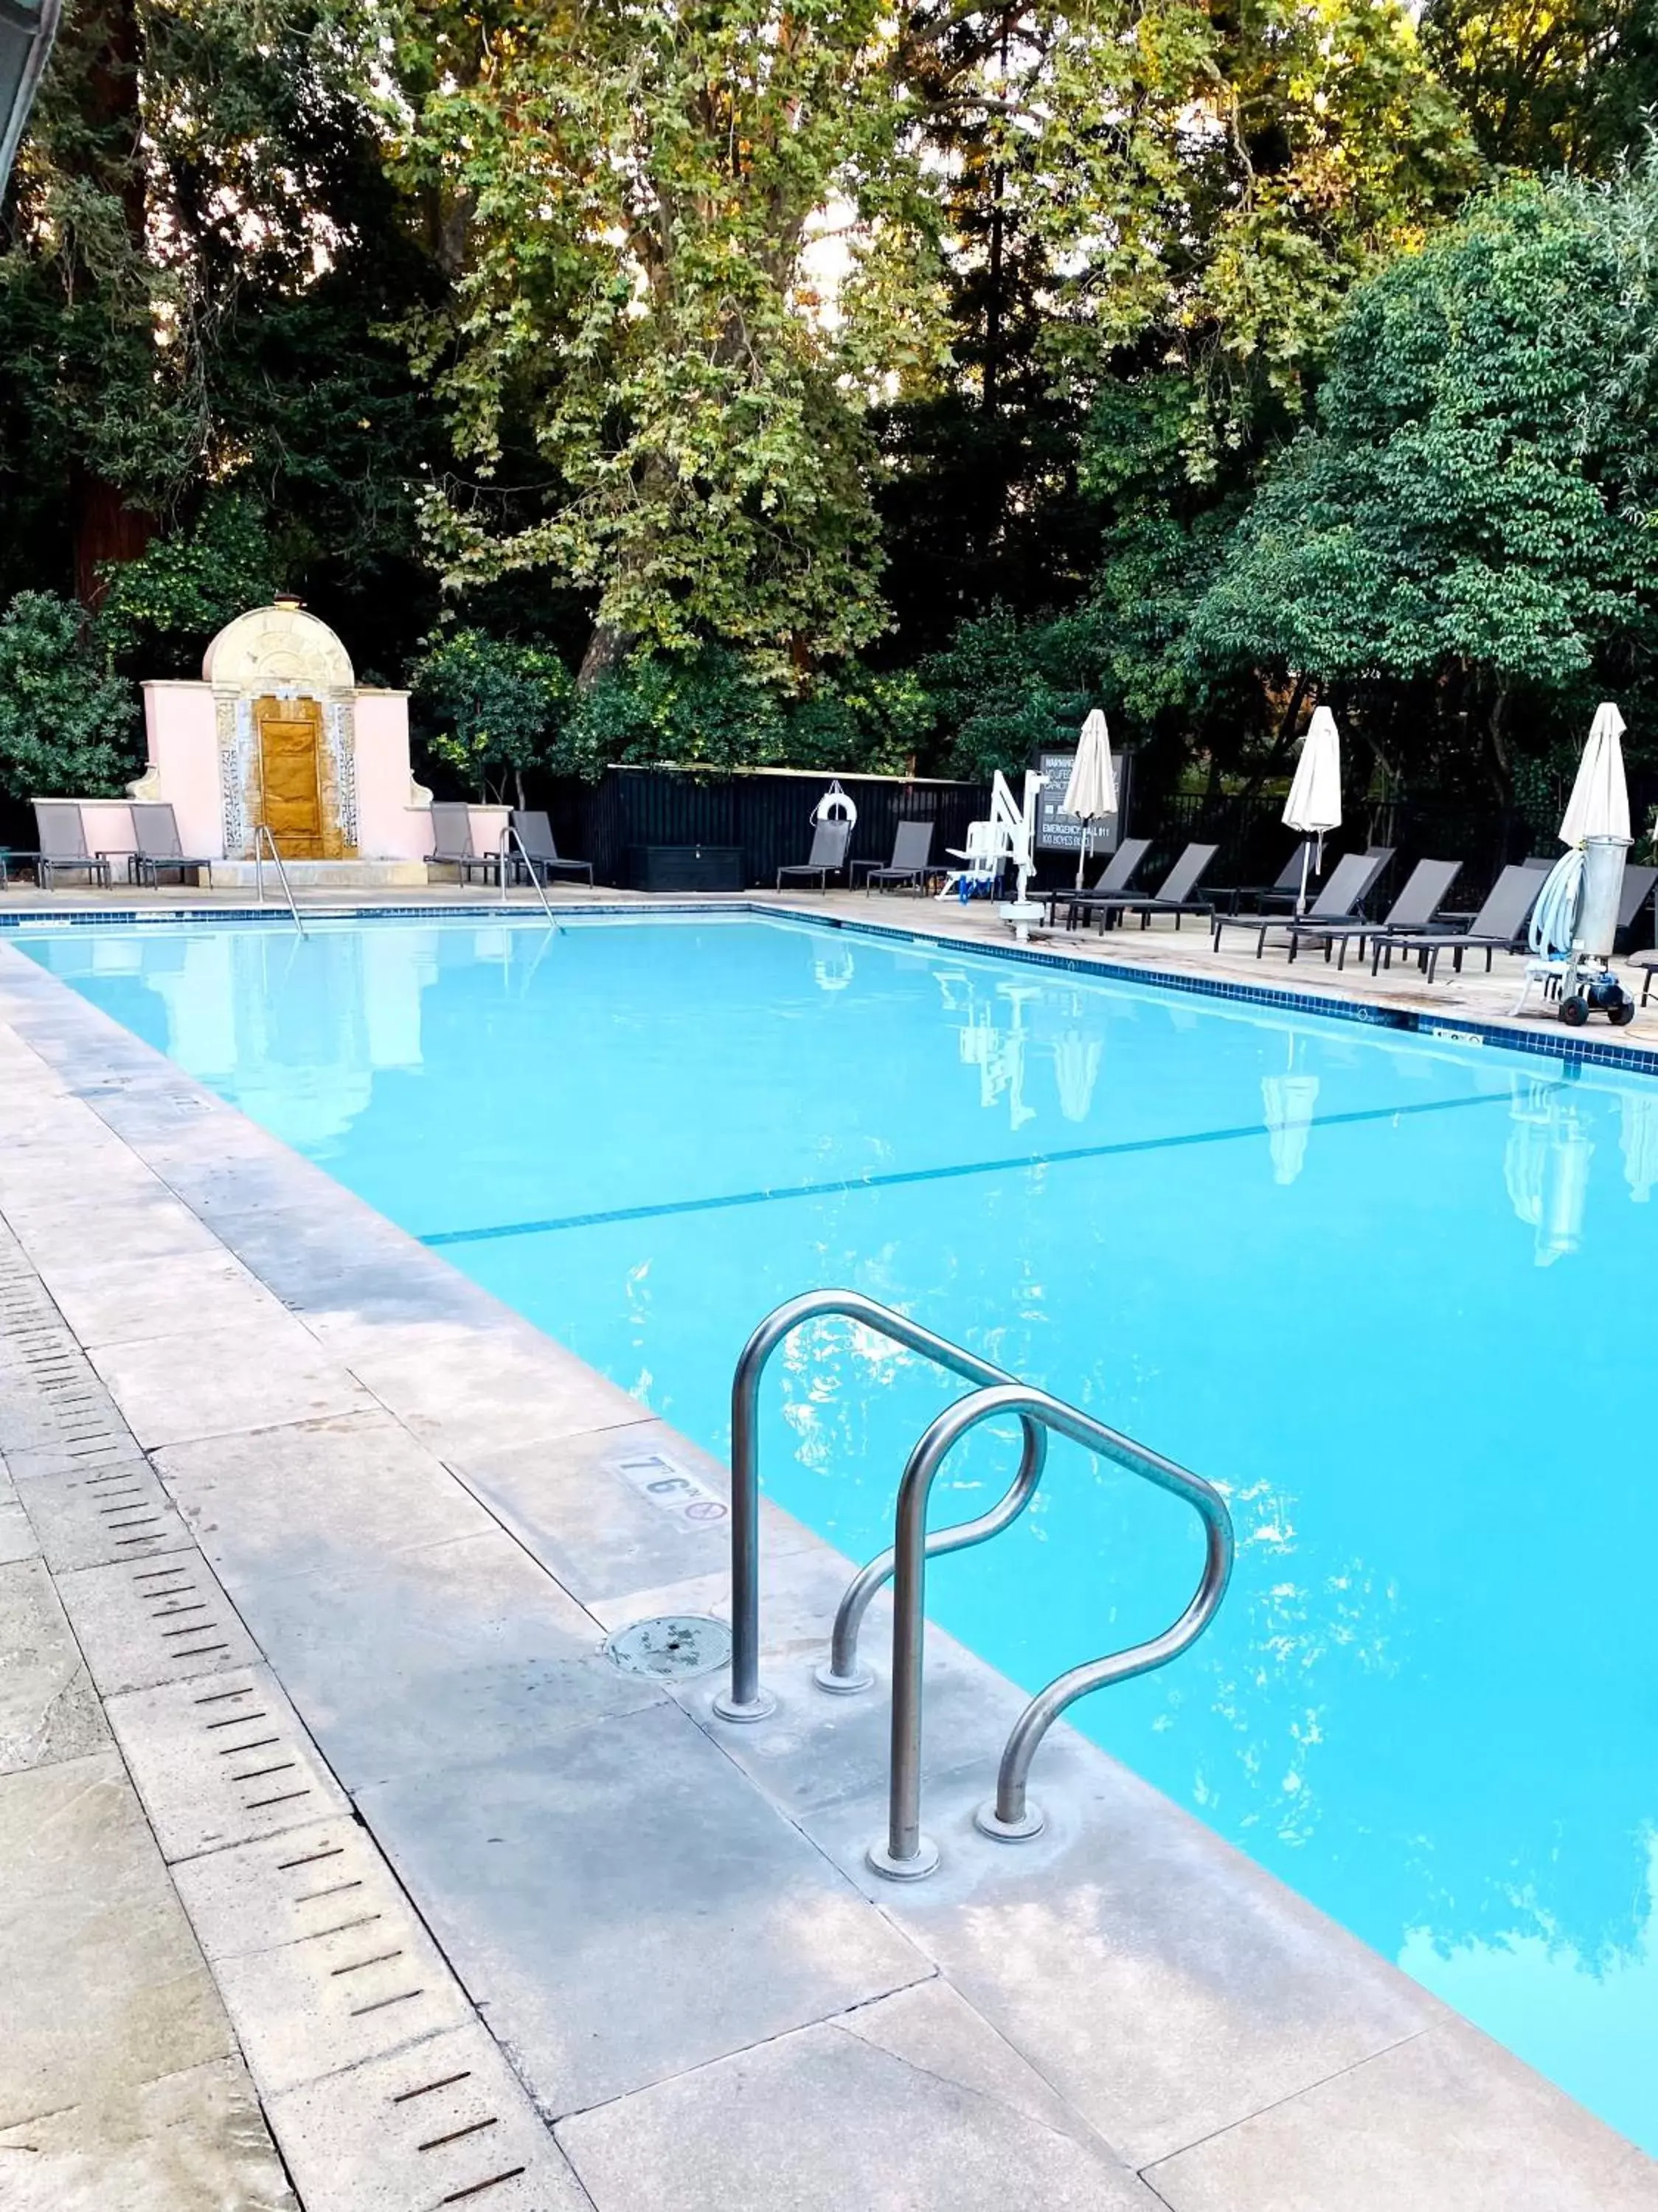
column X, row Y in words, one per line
column 510, row 837
column 906, row 1854
column 264, row 835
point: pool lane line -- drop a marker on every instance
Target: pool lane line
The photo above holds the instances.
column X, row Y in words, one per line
column 844, row 1186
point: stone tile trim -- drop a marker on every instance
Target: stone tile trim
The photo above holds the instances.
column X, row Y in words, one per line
column 232, row 1788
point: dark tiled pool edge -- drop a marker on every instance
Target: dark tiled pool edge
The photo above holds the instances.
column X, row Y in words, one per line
column 1573, row 1050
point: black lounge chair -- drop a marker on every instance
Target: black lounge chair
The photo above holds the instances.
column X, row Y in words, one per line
column 1428, row 883
column 828, row 856
column 156, row 846
column 1497, row 927
column 1349, row 881
column 64, row 845
column 1175, row 895
column 535, row 849
column 1284, row 892
column 1116, row 876
column 912, row 861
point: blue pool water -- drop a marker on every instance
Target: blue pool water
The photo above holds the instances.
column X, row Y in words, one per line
column 1391, row 1292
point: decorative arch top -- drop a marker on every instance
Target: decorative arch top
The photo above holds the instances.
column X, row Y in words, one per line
column 278, row 648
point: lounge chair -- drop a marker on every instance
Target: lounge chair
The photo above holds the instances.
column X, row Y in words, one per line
column 912, row 860
column 1284, row 892
column 1497, row 927
column 452, row 842
column 535, row 847
column 1348, row 883
column 1413, row 910
column 1175, row 895
column 64, row 845
column 1116, row 876
column 828, row 856
column 156, row 846
column 1638, row 890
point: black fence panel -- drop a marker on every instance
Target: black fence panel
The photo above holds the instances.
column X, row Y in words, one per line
column 768, row 816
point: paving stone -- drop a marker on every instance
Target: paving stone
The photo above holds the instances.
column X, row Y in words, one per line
column 622, row 1905
column 825, row 2119
column 195, row 2142
column 1447, row 2122
column 121, row 1302
column 613, row 1510
column 365, row 1979
column 220, row 1758
column 114, row 1515
column 139, row 1219
column 105, row 1985
column 48, row 1707
column 17, row 1538
column 55, row 1413
column 450, row 1653
column 206, row 1383
column 159, row 1620
column 346, row 1269
column 288, row 1888
column 316, row 1497
column 446, row 2122
column 1163, row 1984
column 467, row 1392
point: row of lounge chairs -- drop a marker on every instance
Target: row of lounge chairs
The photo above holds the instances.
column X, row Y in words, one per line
column 532, row 849
column 62, row 851
column 1415, row 925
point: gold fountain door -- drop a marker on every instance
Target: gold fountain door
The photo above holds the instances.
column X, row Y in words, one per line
column 290, row 774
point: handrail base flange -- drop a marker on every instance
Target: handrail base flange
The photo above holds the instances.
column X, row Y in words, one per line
column 842, row 1686
column 760, row 1707
column 922, row 1861
column 988, row 1822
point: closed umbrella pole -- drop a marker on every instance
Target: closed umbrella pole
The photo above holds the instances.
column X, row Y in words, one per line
column 1314, row 807
column 1091, row 793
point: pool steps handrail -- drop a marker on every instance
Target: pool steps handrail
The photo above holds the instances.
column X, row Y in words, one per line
column 746, row 1700
column 906, row 1854
column 264, row 835
column 510, row 837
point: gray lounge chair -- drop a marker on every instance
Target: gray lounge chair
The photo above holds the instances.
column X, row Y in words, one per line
column 156, row 846
column 1116, row 875
column 1172, row 896
column 534, row 835
column 912, row 860
column 1638, row 890
column 452, row 842
column 1497, row 927
column 828, row 856
column 1284, row 892
column 64, row 845
column 1413, row 910
column 1349, row 882
column 1175, row 895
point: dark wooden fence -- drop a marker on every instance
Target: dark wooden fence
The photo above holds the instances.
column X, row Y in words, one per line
column 768, row 814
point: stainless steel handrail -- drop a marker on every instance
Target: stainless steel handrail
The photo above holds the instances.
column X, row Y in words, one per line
column 745, row 1700
column 263, row 836
column 906, row 1854
column 509, row 835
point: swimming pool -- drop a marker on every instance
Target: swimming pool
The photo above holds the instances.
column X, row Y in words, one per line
column 1386, row 1290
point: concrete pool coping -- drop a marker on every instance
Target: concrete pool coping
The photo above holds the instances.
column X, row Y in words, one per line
column 411, row 1517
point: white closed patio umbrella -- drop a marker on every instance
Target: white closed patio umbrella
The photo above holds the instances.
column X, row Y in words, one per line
column 1314, row 806
column 1599, row 806
column 1091, row 793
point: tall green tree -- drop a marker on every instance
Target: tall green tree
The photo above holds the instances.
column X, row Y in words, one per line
column 687, row 247
column 1475, row 515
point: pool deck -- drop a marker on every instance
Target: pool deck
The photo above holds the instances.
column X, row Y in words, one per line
column 339, row 1866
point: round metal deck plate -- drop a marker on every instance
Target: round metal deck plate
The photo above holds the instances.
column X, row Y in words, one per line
column 674, row 1648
